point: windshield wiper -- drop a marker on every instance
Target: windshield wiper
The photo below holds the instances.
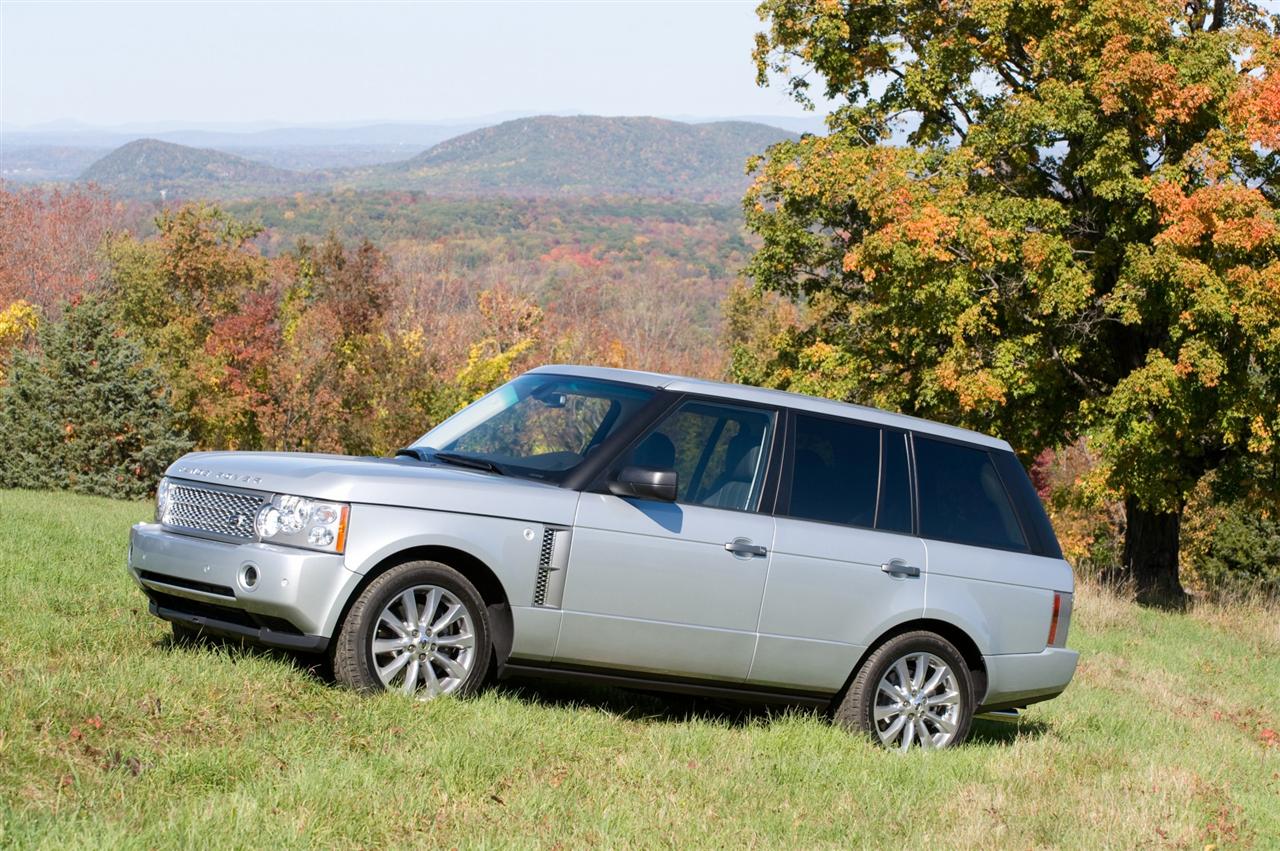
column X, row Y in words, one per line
column 411, row 452
column 467, row 461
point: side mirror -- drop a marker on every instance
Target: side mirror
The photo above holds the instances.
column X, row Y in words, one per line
column 646, row 483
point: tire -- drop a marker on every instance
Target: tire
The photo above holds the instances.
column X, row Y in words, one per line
column 379, row 647
column 935, row 708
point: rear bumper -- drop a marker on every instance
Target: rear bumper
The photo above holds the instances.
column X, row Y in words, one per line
column 1017, row 679
column 293, row 604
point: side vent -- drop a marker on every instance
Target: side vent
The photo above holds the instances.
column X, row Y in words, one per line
column 548, row 588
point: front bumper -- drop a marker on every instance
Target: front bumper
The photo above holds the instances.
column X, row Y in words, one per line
column 1017, row 679
column 294, row 602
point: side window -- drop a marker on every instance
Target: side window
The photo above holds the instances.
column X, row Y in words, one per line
column 718, row 451
column 962, row 497
column 835, row 472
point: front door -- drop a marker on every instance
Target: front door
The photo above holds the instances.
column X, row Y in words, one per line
column 674, row 588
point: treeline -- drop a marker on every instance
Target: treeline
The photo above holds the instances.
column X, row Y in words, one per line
column 123, row 350
column 128, row 338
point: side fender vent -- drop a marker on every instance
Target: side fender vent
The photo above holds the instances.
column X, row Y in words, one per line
column 553, row 558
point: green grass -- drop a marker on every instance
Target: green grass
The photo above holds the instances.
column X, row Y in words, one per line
column 111, row 736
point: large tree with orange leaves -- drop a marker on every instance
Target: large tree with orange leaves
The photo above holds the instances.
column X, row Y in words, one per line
column 1042, row 218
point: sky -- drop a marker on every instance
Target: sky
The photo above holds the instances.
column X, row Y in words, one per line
column 231, row 63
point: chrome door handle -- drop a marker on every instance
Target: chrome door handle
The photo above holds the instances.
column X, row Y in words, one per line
column 744, row 547
column 899, row 567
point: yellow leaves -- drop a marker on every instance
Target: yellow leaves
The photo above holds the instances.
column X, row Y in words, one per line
column 1197, row 358
column 1261, row 440
column 975, row 389
column 16, row 322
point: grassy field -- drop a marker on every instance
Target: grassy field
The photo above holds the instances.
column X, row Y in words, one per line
column 111, row 736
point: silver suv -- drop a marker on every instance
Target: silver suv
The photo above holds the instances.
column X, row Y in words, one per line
column 642, row 530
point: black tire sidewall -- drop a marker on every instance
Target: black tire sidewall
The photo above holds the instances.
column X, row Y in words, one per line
column 363, row 617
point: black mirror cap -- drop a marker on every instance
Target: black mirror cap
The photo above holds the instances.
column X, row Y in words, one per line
column 646, row 483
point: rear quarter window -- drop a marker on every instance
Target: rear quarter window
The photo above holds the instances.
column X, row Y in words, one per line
column 963, row 498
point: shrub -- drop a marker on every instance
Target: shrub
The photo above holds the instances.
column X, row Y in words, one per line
column 83, row 413
column 1231, row 548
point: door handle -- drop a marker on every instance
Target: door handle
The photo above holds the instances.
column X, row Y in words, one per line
column 744, row 547
column 899, row 567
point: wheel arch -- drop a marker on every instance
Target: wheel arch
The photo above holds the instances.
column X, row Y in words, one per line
column 960, row 639
column 479, row 574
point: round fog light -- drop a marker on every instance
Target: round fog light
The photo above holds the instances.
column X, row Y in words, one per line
column 249, row 577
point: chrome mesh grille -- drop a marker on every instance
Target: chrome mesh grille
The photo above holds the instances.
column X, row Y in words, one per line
column 213, row 512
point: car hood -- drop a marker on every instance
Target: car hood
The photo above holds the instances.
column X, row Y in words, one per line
column 382, row 481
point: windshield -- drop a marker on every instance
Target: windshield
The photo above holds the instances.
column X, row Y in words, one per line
column 537, row 426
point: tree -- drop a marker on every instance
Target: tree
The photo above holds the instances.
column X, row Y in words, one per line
column 171, row 294
column 1076, row 235
column 84, row 413
column 49, row 242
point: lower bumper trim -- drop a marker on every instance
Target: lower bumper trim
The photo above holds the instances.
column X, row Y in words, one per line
column 257, row 635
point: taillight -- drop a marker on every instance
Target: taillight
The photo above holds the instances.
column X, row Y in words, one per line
column 1060, row 621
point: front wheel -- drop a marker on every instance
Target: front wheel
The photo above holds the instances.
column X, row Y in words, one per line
column 420, row 629
column 915, row 690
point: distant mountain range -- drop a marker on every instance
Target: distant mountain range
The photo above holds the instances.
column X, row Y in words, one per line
column 537, row 156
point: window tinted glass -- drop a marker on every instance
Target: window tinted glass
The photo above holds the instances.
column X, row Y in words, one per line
column 962, row 498
column 717, row 450
column 894, row 512
column 835, row 472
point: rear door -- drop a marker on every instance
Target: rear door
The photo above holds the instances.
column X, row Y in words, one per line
column 675, row 588
column 846, row 565
column 983, row 573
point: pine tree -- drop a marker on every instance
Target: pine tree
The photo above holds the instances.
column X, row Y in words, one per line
column 83, row 413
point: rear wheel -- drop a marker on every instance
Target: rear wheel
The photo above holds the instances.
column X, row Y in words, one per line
column 915, row 690
column 420, row 629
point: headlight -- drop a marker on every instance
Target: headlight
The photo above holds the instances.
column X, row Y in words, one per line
column 162, row 499
column 296, row 521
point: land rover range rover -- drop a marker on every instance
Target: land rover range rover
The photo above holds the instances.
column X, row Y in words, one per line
column 646, row 530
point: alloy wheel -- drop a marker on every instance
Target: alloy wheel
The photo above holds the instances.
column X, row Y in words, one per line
column 917, row 702
column 423, row 643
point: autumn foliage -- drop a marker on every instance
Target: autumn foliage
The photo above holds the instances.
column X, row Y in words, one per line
column 277, row 339
column 1051, row 220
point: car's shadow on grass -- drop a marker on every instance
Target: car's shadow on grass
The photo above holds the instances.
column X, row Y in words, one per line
column 312, row 665
column 675, row 708
column 639, row 705
column 630, row 704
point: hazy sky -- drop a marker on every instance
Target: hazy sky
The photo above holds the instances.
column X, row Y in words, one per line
column 116, row 63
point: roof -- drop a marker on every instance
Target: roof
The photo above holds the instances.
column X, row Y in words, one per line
column 760, row 395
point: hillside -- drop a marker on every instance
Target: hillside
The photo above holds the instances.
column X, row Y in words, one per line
column 117, row 737
column 529, row 157
column 150, row 167
column 585, row 155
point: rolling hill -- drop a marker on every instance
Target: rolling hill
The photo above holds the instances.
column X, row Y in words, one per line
column 545, row 156
column 587, row 155
column 150, row 168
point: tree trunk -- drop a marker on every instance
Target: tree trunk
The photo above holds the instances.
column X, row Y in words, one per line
column 1151, row 555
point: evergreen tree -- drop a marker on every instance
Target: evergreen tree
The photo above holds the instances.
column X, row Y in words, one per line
column 83, row 413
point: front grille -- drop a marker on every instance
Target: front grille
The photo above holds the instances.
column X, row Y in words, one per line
column 214, row 512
